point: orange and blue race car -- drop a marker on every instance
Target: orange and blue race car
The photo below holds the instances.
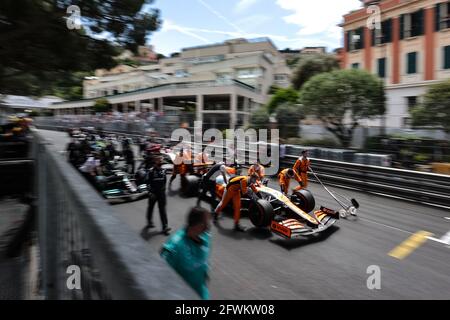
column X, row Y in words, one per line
column 287, row 216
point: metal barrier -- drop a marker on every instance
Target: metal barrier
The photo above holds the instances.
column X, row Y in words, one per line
column 77, row 227
column 423, row 187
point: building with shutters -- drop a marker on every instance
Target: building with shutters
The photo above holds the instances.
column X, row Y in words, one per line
column 410, row 51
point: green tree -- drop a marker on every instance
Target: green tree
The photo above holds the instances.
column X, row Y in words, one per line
column 308, row 67
column 288, row 117
column 292, row 63
column 342, row 98
column 282, row 96
column 101, row 105
column 273, row 89
column 259, row 119
column 435, row 109
column 38, row 48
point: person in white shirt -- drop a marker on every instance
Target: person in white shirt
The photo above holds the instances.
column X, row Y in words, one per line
column 90, row 168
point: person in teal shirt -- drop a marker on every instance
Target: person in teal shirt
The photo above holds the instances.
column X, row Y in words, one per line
column 187, row 251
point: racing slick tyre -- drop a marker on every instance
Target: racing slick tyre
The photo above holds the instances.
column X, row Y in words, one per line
column 305, row 200
column 190, row 186
column 260, row 213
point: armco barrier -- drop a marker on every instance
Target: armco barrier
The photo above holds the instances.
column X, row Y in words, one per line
column 77, row 227
column 411, row 185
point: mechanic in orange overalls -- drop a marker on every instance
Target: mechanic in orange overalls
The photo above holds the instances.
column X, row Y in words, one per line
column 181, row 164
column 257, row 170
column 233, row 190
column 301, row 168
column 284, row 179
column 201, row 160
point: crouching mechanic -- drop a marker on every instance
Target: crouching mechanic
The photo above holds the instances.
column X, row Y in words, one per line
column 284, row 179
column 259, row 171
column 233, row 190
column 156, row 184
column 209, row 181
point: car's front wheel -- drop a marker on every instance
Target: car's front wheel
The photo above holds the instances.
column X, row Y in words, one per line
column 260, row 213
column 190, row 186
column 304, row 200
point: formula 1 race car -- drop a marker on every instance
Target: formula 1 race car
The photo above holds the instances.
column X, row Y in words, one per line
column 289, row 217
column 119, row 186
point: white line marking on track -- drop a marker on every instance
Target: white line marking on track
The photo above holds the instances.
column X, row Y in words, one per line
column 385, row 225
column 438, row 240
column 444, row 240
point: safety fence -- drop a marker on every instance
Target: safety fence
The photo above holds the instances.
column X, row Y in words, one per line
column 78, row 229
column 423, row 187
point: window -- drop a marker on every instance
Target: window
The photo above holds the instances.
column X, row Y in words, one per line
column 383, row 35
column 207, row 59
column 442, row 14
column 280, row 77
column 224, row 76
column 355, row 39
column 382, row 67
column 181, row 74
column 412, row 102
column 412, row 24
column 447, row 57
column 355, row 65
column 249, row 73
column 411, row 63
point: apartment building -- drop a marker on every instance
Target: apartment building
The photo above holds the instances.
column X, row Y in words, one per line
column 410, row 51
column 255, row 62
column 224, row 81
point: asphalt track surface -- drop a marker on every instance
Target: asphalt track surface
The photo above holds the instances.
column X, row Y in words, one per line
column 259, row 265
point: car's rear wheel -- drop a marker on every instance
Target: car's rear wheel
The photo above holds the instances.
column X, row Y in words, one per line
column 260, row 213
column 305, row 200
column 190, row 186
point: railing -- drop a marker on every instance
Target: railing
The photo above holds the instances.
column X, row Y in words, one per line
column 76, row 227
column 423, row 187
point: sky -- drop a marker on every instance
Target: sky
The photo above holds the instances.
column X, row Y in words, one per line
column 289, row 23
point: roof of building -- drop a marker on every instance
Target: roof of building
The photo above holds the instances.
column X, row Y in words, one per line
column 231, row 41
